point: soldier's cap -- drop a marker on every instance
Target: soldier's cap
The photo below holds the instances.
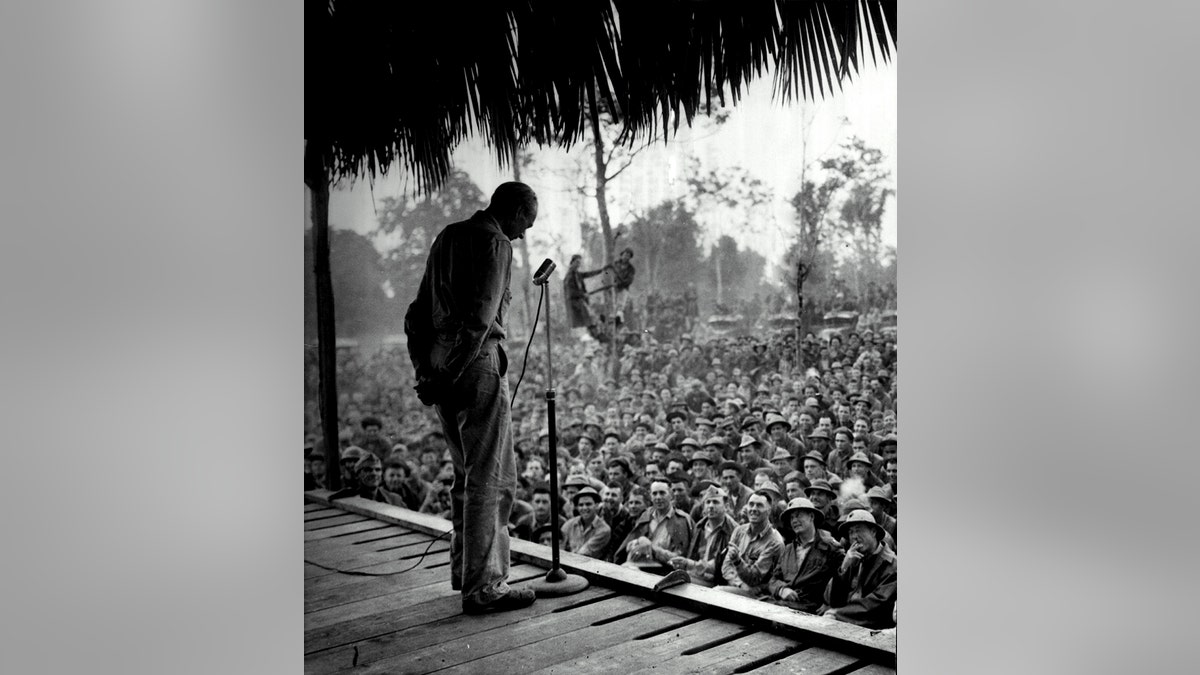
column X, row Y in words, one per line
column 775, row 418
column 588, row 491
column 700, row 456
column 365, row 461
column 798, row 504
column 747, row 441
column 814, row 455
column 689, row 441
column 820, row 485
column 576, row 480
column 860, row 457
column 860, row 516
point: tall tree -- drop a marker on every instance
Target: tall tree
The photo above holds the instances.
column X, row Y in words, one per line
column 728, row 199
column 407, row 227
column 667, row 241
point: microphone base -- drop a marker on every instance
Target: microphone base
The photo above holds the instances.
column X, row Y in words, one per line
column 557, row 583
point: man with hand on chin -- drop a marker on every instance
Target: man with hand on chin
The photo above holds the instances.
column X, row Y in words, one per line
column 863, row 590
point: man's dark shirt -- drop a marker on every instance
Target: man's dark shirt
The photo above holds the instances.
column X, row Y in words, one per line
column 462, row 298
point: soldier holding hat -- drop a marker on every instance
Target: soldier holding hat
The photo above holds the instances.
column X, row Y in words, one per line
column 808, row 560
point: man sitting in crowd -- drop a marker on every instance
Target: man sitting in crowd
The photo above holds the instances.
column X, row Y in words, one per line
column 753, row 550
column 863, row 590
column 586, row 534
column 661, row 533
column 706, row 552
column 807, row 562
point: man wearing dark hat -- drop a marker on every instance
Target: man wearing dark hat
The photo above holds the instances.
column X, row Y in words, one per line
column 818, row 440
column 750, row 453
column 777, row 432
column 880, row 500
column 813, row 466
column 781, row 461
column 808, row 560
column 859, row 467
column 349, row 459
column 586, row 534
column 753, row 550
column 824, row 497
column 706, row 552
column 863, row 590
column 369, row 471
column 700, row 463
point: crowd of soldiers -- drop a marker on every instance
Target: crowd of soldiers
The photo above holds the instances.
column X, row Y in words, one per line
column 743, row 464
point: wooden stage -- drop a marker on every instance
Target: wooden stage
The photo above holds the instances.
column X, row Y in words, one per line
column 412, row 622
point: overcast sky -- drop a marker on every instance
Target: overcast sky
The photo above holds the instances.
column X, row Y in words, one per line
column 762, row 136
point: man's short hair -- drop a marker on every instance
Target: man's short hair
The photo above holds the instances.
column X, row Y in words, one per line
column 512, row 197
column 397, row 463
column 541, row 488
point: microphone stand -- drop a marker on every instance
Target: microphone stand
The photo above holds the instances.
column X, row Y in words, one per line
column 556, row 582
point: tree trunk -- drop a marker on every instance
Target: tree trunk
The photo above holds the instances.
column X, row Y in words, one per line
column 605, row 228
column 317, row 179
column 524, row 247
column 720, row 294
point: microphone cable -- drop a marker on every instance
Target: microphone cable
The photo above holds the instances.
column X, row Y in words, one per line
column 532, row 334
column 382, row 574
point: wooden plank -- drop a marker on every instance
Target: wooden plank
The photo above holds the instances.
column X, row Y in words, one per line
column 811, row 661
column 873, row 645
column 524, row 644
column 322, row 514
column 635, row 654
column 336, row 589
column 308, row 508
column 343, row 530
column 344, row 519
column 874, row 669
column 430, row 624
column 362, row 609
column 392, row 533
column 405, row 557
column 329, row 552
column 721, row 659
column 546, row 644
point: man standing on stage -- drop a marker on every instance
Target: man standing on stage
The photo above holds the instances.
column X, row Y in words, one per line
column 455, row 330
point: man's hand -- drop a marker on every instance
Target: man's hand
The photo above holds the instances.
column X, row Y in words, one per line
column 830, row 613
column 678, row 562
column 853, row 556
column 788, row 594
column 429, row 390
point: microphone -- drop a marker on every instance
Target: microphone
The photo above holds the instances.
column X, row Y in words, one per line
column 542, row 275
